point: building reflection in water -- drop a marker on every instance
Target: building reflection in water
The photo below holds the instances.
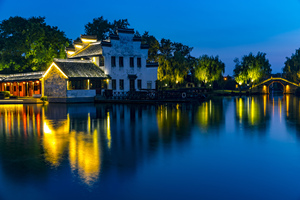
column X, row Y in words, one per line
column 75, row 138
column 93, row 139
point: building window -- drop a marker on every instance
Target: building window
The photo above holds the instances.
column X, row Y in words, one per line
column 77, row 85
column 114, row 84
column 101, row 61
column 149, row 84
column 15, row 88
column 7, row 88
column 131, row 62
column 121, row 63
column 36, row 87
column 113, row 61
column 139, row 62
column 20, row 88
column 139, row 84
column 121, row 84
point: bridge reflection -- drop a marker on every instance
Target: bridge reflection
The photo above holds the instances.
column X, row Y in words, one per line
column 95, row 140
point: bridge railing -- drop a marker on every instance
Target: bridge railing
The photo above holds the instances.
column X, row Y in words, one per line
column 275, row 79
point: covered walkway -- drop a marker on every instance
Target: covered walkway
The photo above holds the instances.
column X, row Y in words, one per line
column 22, row 85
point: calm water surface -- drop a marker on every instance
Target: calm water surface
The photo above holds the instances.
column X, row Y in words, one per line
column 228, row 148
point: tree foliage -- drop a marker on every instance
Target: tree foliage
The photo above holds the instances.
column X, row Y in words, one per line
column 29, row 44
column 102, row 27
column 291, row 70
column 153, row 46
column 174, row 62
column 209, row 69
column 251, row 68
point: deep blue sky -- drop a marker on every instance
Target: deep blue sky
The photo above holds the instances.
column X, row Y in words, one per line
column 229, row 28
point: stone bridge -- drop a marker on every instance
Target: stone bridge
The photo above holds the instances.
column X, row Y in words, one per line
column 263, row 87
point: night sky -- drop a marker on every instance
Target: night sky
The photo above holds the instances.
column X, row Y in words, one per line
column 229, row 28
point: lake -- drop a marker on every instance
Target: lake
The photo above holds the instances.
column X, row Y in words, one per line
column 226, row 148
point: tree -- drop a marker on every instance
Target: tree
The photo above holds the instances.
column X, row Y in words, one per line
column 29, row 44
column 174, row 59
column 102, row 27
column 252, row 68
column 153, row 46
column 209, row 69
column 291, row 70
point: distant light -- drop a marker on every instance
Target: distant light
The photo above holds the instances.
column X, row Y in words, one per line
column 88, row 40
column 78, row 46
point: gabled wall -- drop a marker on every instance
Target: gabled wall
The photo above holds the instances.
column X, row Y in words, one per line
column 125, row 47
column 55, row 83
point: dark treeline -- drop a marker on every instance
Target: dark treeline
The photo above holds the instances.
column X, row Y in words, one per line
column 30, row 45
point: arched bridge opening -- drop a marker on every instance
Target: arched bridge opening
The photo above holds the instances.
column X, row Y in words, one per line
column 263, row 87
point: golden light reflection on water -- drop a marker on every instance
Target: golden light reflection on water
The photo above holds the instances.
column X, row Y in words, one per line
column 240, row 109
column 84, row 155
column 287, row 104
column 108, row 131
column 279, row 107
column 83, row 147
column 55, row 140
column 265, row 104
column 254, row 116
column 203, row 114
column 251, row 111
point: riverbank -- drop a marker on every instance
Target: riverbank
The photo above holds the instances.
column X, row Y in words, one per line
column 21, row 100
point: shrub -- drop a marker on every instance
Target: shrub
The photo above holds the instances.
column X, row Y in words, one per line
column 6, row 93
column 44, row 98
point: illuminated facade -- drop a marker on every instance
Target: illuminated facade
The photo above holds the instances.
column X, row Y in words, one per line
column 73, row 81
column 122, row 57
column 64, row 80
column 22, row 85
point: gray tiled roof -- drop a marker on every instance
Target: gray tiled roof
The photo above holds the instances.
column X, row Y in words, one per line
column 79, row 68
column 30, row 76
column 90, row 50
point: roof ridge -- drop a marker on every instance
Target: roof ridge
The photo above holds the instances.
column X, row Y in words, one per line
column 80, row 50
column 71, row 60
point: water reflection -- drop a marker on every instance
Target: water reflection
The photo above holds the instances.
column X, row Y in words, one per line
column 76, row 138
column 253, row 112
column 92, row 141
column 210, row 114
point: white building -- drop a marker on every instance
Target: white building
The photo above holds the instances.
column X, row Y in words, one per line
column 122, row 58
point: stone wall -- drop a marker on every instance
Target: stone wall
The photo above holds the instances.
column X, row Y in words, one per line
column 81, row 93
column 55, row 84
